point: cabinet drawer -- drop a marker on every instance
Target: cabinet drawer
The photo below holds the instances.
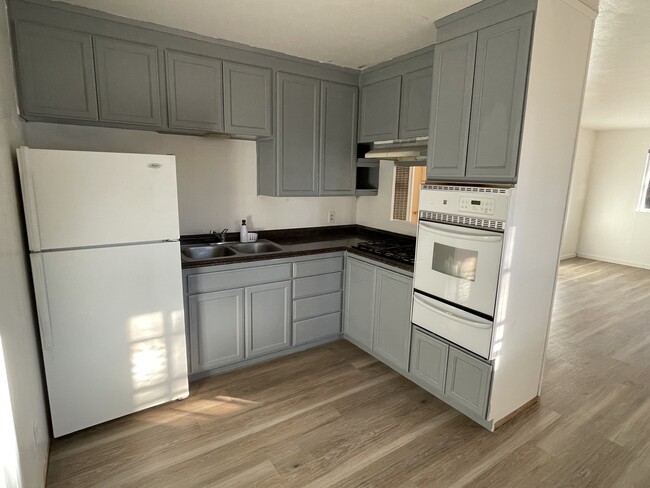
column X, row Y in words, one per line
column 468, row 381
column 318, row 266
column 310, row 330
column 315, row 306
column 428, row 361
column 226, row 280
column 316, row 285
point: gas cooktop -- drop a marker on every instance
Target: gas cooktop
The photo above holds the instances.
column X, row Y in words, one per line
column 401, row 251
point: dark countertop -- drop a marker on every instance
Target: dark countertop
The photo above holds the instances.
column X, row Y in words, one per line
column 304, row 242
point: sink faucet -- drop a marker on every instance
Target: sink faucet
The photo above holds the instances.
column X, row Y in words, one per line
column 220, row 235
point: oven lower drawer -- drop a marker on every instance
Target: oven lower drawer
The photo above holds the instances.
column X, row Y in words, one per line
column 462, row 328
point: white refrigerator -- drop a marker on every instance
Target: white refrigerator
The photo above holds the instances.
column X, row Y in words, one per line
column 104, row 248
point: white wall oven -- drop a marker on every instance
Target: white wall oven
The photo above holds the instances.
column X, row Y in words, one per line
column 458, row 261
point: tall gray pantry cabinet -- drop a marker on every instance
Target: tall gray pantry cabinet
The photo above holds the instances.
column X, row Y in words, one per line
column 477, row 103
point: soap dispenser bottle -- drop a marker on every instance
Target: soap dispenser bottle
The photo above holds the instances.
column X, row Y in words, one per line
column 243, row 232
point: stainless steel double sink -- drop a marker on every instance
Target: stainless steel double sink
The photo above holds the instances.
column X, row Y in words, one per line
column 196, row 252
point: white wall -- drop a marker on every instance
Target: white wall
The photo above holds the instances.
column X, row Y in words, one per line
column 577, row 193
column 23, row 453
column 216, row 178
column 612, row 229
column 375, row 211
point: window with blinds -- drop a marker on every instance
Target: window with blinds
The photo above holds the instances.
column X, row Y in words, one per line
column 406, row 192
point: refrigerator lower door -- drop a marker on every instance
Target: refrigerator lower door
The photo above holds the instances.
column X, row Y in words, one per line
column 78, row 199
column 112, row 330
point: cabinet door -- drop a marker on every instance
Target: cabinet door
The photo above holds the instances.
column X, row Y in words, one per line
column 56, row 72
column 194, row 92
column 380, row 110
column 429, row 361
column 216, row 329
column 338, row 142
column 247, row 98
column 415, row 106
column 268, row 318
column 498, row 99
column 298, row 135
column 451, row 99
column 127, row 81
column 360, row 280
column 468, row 381
column 392, row 335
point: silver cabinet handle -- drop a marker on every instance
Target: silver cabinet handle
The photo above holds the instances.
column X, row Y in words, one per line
column 430, row 306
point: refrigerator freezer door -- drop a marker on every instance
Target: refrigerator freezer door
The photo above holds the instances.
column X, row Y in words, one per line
column 112, row 330
column 77, row 199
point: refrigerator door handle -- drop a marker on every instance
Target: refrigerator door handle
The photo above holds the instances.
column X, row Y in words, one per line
column 42, row 306
column 29, row 199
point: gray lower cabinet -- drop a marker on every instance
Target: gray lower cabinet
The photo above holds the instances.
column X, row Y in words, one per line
column 194, row 92
column 360, row 285
column 216, row 329
column 477, row 103
column 415, row 104
column 127, row 82
column 248, row 99
column 317, row 294
column 379, row 110
column 267, row 318
column 455, row 376
column 56, row 72
column 314, row 151
column 392, row 329
column 378, row 311
column 429, row 361
column 468, row 381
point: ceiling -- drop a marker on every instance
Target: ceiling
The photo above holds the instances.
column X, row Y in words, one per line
column 351, row 33
column 359, row 33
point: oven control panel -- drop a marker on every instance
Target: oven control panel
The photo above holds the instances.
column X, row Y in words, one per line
column 488, row 203
column 478, row 205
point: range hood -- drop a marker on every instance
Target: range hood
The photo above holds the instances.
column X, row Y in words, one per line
column 406, row 152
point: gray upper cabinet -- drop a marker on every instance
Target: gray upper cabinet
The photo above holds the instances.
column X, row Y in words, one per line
column 248, row 99
column 194, row 92
column 298, row 132
column 314, row 151
column 392, row 334
column 338, row 146
column 268, row 318
column 477, row 103
column 415, row 103
column 498, row 100
column 380, row 110
column 55, row 72
column 451, row 99
column 360, row 280
column 127, row 82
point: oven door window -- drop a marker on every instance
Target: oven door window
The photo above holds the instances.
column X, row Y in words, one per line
column 455, row 261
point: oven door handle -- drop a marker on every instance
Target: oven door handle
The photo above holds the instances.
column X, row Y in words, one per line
column 461, row 233
column 430, row 304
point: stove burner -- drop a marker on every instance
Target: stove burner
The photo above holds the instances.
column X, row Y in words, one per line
column 398, row 250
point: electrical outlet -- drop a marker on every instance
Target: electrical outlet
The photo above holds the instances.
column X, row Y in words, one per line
column 331, row 217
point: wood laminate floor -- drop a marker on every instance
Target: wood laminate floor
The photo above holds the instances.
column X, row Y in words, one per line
column 334, row 416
